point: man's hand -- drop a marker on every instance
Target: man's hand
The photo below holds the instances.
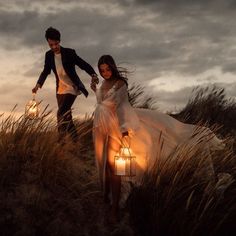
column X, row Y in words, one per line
column 35, row 89
column 95, row 79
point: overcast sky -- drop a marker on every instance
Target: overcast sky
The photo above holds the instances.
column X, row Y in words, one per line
column 170, row 45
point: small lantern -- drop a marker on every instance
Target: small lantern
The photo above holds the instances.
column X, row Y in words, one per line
column 32, row 108
column 125, row 164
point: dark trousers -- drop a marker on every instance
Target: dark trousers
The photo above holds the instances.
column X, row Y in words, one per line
column 64, row 116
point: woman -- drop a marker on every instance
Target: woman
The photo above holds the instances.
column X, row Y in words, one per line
column 145, row 131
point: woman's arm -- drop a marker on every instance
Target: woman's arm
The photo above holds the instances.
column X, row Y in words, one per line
column 124, row 110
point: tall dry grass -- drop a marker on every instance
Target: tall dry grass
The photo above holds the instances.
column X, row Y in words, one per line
column 47, row 188
column 180, row 197
column 50, row 189
column 140, row 99
column 211, row 106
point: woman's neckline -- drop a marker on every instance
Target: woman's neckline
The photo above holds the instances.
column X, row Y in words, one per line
column 109, row 84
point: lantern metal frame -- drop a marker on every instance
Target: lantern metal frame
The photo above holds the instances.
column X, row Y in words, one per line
column 32, row 104
column 129, row 162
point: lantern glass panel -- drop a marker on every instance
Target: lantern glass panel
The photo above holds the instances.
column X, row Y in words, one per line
column 125, row 163
column 32, row 109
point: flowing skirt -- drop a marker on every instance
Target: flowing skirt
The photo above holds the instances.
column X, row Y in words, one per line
column 157, row 136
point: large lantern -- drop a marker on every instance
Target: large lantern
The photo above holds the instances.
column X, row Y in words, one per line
column 32, row 108
column 125, row 163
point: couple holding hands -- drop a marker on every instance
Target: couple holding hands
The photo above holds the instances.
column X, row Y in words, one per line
column 114, row 117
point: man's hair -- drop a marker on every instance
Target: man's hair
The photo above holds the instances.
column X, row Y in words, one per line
column 52, row 33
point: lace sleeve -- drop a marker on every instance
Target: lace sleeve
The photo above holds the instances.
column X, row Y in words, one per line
column 127, row 117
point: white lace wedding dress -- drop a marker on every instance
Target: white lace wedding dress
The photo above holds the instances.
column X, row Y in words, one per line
column 147, row 129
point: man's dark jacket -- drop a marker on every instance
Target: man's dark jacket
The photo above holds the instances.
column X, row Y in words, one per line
column 69, row 60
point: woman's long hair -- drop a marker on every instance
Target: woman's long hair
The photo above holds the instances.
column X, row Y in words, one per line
column 117, row 72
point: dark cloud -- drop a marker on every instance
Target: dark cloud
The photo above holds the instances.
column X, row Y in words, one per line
column 189, row 4
column 151, row 37
column 185, row 43
column 176, row 100
column 230, row 67
column 20, row 26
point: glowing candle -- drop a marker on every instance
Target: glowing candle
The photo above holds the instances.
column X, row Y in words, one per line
column 120, row 166
column 32, row 109
column 125, row 162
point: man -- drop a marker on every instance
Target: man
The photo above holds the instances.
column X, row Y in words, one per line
column 62, row 62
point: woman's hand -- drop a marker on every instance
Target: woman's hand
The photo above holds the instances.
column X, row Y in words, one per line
column 95, row 79
column 125, row 139
column 93, row 86
column 126, row 133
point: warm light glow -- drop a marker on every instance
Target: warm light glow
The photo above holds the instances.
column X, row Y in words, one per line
column 120, row 166
column 32, row 109
column 125, row 163
column 125, row 151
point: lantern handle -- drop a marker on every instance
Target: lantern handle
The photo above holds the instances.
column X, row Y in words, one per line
column 33, row 95
column 128, row 142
